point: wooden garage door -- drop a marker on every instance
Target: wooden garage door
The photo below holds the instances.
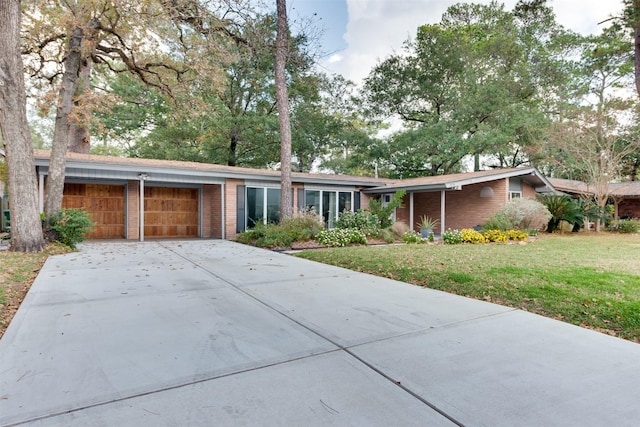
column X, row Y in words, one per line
column 170, row 212
column 105, row 203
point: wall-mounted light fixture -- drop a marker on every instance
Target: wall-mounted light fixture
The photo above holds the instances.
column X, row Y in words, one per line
column 486, row 192
column 143, row 176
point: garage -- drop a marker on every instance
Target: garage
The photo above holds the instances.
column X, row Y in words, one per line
column 105, row 203
column 171, row 212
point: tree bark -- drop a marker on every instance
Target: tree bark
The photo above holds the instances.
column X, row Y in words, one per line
column 636, row 28
column 79, row 137
column 62, row 129
column 282, row 97
column 26, row 228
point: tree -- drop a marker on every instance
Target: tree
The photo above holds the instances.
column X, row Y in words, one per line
column 26, row 228
column 281, row 53
column 463, row 87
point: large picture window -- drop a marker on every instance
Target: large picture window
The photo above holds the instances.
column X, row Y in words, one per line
column 328, row 203
column 263, row 205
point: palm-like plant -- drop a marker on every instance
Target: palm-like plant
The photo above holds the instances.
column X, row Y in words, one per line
column 562, row 208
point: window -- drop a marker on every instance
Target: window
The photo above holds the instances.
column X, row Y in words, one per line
column 328, row 203
column 263, row 205
column 515, row 195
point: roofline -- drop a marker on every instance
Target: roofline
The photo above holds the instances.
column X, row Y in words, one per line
column 42, row 159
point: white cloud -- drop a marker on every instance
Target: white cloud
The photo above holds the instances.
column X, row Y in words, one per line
column 335, row 58
column 377, row 28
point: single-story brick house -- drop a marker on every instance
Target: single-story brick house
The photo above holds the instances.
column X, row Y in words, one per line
column 625, row 196
column 144, row 198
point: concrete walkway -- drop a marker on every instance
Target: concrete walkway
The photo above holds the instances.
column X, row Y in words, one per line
column 204, row 332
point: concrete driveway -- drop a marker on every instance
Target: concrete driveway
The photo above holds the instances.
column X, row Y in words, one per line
column 204, row 332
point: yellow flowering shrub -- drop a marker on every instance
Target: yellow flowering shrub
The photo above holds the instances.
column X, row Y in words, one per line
column 469, row 235
column 517, row 235
column 495, row 236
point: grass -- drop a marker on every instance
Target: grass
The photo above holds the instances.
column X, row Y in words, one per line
column 18, row 270
column 588, row 280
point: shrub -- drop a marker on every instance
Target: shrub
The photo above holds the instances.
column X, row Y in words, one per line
column 384, row 213
column 495, row 236
column 452, row 237
column 469, row 235
column 70, row 226
column 498, row 221
column 413, row 237
column 399, row 228
column 362, row 220
column 562, row 208
column 517, row 235
column 521, row 214
column 341, row 237
column 301, row 227
column 624, row 226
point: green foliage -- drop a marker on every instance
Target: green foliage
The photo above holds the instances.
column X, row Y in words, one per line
column 498, row 221
column 427, row 223
column 341, row 237
column 469, row 235
column 561, row 208
column 384, row 213
column 495, row 235
column 301, row 227
column 452, row 237
column 70, row 226
column 624, row 226
column 362, row 220
column 413, row 237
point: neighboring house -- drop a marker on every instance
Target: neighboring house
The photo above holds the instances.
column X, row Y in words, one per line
column 139, row 198
column 625, row 196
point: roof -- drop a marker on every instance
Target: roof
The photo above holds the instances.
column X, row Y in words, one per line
column 457, row 181
column 87, row 166
column 616, row 189
column 104, row 167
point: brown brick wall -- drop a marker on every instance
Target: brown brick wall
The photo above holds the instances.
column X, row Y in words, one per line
column 629, row 208
column 464, row 208
column 528, row 192
column 207, row 210
column 133, row 210
column 216, row 211
column 230, row 207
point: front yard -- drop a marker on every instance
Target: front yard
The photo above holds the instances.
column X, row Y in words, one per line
column 586, row 279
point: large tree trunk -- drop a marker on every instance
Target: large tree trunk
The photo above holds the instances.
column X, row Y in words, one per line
column 282, row 97
column 79, row 137
column 636, row 28
column 26, row 228
column 62, row 129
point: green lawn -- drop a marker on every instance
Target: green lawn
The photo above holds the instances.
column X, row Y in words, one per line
column 587, row 280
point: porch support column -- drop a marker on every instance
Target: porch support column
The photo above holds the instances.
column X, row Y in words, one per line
column 442, row 212
column 141, row 213
column 142, row 177
column 411, row 221
column 222, row 233
column 41, row 192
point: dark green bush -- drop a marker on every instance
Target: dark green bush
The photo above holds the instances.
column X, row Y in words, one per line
column 362, row 220
column 299, row 228
column 70, row 226
column 624, row 226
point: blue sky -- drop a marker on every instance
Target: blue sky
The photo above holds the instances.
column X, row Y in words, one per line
column 360, row 33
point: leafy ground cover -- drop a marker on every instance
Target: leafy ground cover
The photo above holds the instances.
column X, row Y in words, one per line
column 588, row 280
column 18, row 270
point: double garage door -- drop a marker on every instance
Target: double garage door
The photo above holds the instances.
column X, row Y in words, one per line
column 168, row 212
